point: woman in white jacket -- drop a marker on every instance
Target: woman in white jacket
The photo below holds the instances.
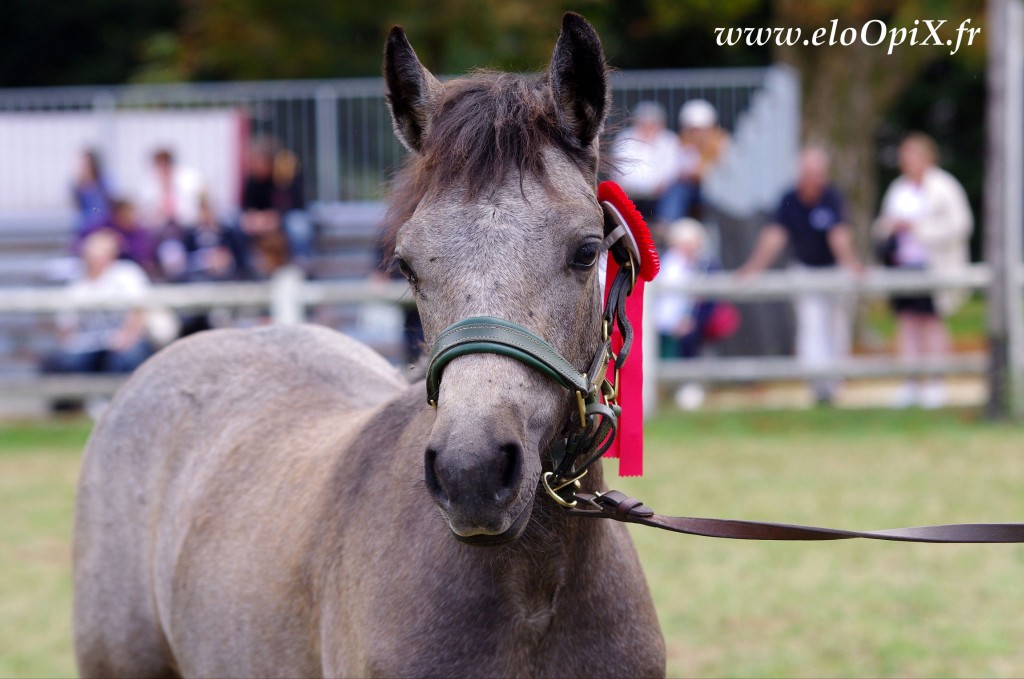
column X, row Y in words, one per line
column 925, row 223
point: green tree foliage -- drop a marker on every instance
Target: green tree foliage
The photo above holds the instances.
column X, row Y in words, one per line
column 61, row 42
column 259, row 39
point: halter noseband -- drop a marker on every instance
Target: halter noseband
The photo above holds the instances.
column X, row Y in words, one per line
column 591, row 428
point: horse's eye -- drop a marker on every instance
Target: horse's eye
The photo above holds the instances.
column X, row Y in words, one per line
column 586, row 255
column 405, row 269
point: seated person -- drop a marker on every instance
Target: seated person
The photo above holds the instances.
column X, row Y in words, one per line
column 212, row 251
column 262, row 219
column 135, row 242
column 102, row 340
column 290, row 202
column 91, row 194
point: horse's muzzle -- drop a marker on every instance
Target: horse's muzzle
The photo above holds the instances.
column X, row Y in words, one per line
column 479, row 487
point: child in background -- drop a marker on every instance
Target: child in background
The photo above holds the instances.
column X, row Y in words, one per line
column 674, row 313
column 678, row 317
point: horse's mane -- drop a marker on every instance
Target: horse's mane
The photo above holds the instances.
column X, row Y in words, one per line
column 486, row 126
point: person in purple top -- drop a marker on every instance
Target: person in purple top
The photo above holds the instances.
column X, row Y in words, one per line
column 135, row 242
column 91, row 195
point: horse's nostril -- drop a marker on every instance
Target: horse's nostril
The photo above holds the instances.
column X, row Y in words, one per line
column 511, row 465
column 430, row 475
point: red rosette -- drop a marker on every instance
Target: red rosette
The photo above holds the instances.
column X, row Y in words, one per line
column 612, row 194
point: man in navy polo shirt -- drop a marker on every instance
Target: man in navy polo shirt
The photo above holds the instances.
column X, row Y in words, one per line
column 811, row 218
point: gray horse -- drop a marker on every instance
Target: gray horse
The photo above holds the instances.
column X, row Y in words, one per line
column 282, row 502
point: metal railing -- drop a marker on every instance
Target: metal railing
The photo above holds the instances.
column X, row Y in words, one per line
column 339, row 129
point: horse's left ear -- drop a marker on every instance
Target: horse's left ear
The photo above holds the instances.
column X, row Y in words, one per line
column 579, row 79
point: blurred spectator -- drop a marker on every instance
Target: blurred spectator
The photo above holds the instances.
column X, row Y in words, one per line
column 102, row 340
column 212, row 250
column 679, row 327
column 169, row 200
column 678, row 317
column 686, row 325
column 701, row 143
column 925, row 223
column 811, row 218
column 135, row 243
column 91, row 194
column 289, row 200
column 169, row 196
column 646, row 159
column 269, row 194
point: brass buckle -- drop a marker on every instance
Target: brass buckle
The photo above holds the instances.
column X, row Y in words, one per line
column 565, row 483
column 610, row 391
column 581, row 404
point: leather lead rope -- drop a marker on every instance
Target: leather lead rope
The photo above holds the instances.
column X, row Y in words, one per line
column 618, row 506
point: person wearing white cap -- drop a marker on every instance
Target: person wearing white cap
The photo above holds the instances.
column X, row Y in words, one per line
column 700, row 145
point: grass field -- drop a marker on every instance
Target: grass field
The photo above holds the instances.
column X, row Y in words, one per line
column 728, row 608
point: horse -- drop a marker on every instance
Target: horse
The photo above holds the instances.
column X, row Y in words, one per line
column 282, row 501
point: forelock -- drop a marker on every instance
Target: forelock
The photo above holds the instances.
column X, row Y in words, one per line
column 488, row 126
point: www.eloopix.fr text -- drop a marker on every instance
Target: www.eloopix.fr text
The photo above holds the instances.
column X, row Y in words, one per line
column 923, row 33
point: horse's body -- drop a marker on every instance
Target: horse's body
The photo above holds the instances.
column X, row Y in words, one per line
column 253, row 504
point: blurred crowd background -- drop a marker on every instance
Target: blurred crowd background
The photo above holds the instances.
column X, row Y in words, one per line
column 181, row 169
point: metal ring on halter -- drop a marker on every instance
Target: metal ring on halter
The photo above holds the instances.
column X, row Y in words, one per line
column 565, row 483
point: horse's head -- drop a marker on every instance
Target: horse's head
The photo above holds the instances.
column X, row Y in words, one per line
column 496, row 215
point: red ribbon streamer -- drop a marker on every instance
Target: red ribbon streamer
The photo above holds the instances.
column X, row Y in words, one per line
column 628, row 445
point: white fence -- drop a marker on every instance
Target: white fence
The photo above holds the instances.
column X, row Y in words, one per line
column 288, row 297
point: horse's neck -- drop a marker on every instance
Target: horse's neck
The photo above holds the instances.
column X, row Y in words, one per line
column 556, row 550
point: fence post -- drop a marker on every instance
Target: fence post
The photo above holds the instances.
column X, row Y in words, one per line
column 286, row 304
column 327, row 179
column 104, row 108
column 1004, row 214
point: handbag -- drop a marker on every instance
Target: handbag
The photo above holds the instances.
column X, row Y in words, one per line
column 722, row 323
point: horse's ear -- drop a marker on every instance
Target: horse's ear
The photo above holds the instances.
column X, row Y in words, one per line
column 411, row 91
column 579, row 79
